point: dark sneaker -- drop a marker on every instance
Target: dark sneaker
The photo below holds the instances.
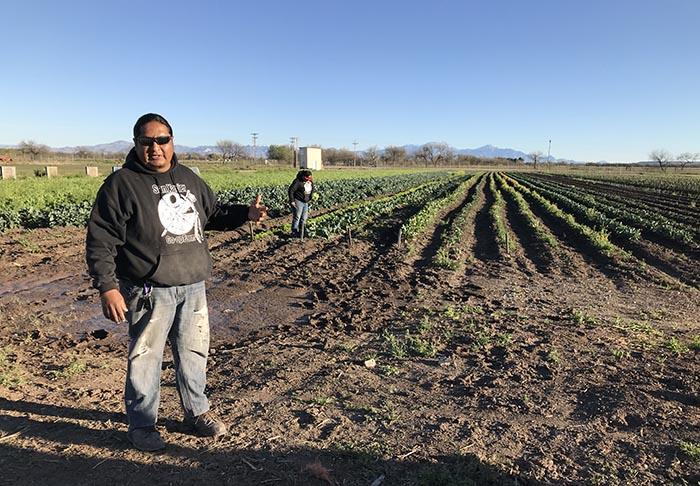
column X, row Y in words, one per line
column 146, row 439
column 208, row 425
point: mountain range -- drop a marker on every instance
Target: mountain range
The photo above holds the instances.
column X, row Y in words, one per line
column 123, row 146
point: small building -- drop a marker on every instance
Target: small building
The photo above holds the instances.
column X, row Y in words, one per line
column 310, row 158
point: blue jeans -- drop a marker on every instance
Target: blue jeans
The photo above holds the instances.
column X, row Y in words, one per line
column 300, row 213
column 177, row 313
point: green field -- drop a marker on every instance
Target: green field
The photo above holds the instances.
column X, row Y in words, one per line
column 36, row 202
column 33, row 202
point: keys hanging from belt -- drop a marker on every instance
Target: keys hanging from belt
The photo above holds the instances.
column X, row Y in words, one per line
column 146, row 299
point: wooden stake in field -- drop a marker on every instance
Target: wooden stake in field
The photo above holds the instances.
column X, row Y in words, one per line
column 507, row 244
column 398, row 243
column 349, row 236
column 250, row 228
column 301, row 230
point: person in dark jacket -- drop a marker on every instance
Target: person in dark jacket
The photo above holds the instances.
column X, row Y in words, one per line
column 300, row 192
column 148, row 256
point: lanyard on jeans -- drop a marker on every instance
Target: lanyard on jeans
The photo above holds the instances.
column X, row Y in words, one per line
column 146, row 299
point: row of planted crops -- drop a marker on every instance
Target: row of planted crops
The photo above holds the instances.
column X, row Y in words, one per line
column 609, row 213
column 656, row 225
column 68, row 201
column 605, row 221
column 592, row 213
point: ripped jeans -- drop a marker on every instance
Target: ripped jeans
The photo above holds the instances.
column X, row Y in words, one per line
column 176, row 313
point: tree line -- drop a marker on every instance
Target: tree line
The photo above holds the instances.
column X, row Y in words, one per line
column 427, row 155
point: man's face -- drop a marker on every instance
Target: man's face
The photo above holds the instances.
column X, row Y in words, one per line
column 155, row 156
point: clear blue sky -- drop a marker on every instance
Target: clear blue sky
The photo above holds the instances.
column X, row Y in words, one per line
column 604, row 80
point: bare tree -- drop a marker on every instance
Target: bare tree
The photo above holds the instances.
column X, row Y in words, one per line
column 83, row 153
column 238, row 152
column 435, row 153
column 226, row 149
column 32, row 149
column 231, row 150
column 394, row 155
column 661, row 157
column 686, row 158
column 371, row 156
column 535, row 157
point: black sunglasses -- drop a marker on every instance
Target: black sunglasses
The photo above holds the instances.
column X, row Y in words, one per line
column 148, row 141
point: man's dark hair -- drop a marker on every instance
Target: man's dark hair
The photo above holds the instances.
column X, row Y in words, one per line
column 149, row 117
column 303, row 173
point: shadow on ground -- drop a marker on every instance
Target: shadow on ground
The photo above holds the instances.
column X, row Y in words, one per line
column 76, row 454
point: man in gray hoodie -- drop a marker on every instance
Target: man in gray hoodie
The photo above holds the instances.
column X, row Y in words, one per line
column 148, row 256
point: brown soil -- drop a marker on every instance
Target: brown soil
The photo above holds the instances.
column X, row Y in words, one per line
column 520, row 368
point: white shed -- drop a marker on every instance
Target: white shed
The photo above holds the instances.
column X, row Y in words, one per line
column 310, row 158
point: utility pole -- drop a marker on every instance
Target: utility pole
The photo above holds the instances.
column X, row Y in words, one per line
column 294, row 141
column 354, row 153
column 255, row 150
column 549, row 149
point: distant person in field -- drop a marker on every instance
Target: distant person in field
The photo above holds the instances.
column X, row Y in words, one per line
column 300, row 193
column 148, row 256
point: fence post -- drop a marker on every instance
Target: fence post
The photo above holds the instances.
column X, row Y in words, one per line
column 398, row 243
column 8, row 172
column 349, row 236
